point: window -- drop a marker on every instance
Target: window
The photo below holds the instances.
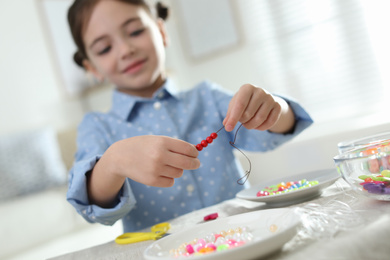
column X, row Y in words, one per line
column 318, row 52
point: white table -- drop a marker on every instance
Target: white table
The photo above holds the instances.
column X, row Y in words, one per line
column 366, row 237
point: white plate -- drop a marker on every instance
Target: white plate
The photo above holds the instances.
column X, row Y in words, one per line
column 324, row 177
column 258, row 222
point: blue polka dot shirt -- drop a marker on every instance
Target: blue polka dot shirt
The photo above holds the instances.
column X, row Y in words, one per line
column 191, row 116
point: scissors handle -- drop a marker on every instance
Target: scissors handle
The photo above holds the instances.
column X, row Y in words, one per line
column 161, row 227
column 129, row 238
column 133, row 237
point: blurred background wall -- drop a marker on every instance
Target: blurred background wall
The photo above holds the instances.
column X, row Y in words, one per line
column 330, row 55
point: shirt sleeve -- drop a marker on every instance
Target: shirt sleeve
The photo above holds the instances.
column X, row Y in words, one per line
column 92, row 143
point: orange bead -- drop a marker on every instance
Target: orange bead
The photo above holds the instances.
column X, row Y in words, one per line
column 370, row 151
column 289, row 184
column 368, row 180
column 206, row 250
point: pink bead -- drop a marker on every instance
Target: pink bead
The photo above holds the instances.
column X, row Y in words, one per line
column 201, row 242
column 232, row 242
column 211, row 245
column 240, row 243
column 199, row 248
column 210, row 216
column 190, row 249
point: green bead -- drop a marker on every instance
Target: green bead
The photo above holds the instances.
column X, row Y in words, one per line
column 222, row 247
column 379, row 178
column 363, row 177
column 385, row 173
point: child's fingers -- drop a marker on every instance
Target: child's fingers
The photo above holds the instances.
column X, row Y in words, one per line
column 259, row 109
column 228, row 112
column 182, row 147
column 180, row 161
column 160, row 175
column 170, row 172
column 181, row 155
column 163, row 182
column 237, row 106
column 270, row 121
column 255, row 105
column 258, row 119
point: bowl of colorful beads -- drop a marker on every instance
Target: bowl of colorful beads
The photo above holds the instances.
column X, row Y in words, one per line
column 353, row 144
column 243, row 236
column 367, row 169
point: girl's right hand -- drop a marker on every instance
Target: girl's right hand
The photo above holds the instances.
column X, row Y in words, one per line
column 152, row 160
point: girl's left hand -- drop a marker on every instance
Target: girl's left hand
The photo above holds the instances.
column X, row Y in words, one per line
column 257, row 109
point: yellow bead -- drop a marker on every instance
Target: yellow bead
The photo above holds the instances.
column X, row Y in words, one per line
column 230, row 232
column 273, row 228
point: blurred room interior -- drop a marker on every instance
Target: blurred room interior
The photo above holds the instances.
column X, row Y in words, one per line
column 330, row 55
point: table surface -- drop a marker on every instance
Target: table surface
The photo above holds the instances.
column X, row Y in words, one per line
column 363, row 232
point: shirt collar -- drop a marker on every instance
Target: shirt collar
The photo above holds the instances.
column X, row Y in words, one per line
column 123, row 104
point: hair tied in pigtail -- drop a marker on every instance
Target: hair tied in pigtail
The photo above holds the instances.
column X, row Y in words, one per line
column 162, row 11
column 213, row 136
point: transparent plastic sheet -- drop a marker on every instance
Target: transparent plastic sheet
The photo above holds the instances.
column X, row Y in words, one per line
column 324, row 221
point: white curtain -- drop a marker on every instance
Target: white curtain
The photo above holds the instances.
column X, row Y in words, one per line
column 318, row 51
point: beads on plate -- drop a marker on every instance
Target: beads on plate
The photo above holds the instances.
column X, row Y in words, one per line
column 285, row 187
column 214, row 242
column 205, row 143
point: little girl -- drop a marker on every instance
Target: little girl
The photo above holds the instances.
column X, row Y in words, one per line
column 138, row 162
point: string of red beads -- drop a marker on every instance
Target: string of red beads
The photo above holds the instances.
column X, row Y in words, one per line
column 206, row 142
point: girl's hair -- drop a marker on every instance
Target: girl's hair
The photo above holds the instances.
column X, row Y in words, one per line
column 80, row 12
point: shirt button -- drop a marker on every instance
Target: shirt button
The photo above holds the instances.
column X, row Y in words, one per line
column 157, row 105
column 190, row 188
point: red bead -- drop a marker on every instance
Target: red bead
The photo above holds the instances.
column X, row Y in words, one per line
column 214, row 135
column 199, row 147
column 209, row 139
column 204, row 143
column 262, row 193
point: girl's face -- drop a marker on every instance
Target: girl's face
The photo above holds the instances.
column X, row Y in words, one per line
column 126, row 45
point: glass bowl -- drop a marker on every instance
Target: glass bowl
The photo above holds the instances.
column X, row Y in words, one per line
column 367, row 169
column 350, row 145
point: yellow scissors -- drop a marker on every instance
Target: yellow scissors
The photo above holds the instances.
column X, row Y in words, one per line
column 157, row 231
